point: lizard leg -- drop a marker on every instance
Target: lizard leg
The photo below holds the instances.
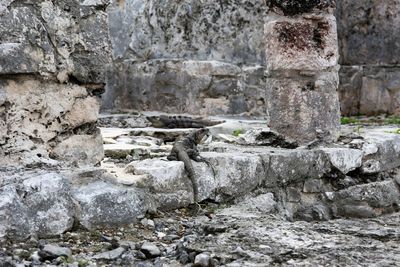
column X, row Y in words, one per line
column 172, row 157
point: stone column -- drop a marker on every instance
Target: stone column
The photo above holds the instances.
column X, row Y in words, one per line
column 302, row 70
column 52, row 58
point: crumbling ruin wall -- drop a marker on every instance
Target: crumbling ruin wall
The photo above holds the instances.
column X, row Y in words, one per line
column 369, row 41
column 52, row 58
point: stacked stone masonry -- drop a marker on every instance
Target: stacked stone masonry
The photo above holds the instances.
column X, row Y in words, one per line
column 369, row 56
column 302, row 78
column 52, row 69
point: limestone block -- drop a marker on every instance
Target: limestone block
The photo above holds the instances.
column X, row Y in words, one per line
column 59, row 39
column 186, row 86
column 301, row 44
column 19, row 29
column 36, row 204
column 387, row 156
column 304, row 108
column 344, row 159
column 368, row 32
column 350, row 89
column 235, row 173
column 50, row 208
column 226, row 31
column 376, row 197
column 169, row 180
column 104, row 204
column 291, row 166
column 80, row 149
column 13, row 214
column 40, row 115
column 380, row 91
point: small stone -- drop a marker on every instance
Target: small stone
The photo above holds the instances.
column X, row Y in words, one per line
column 110, row 255
column 313, row 186
column 35, row 258
column 140, row 255
column 150, row 223
column 161, row 235
column 293, row 194
column 57, row 251
column 184, row 257
column 170, row 237
column 369, row 149
column 150, row 250
column 202, row 260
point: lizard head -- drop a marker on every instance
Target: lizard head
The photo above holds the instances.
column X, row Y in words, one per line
column 200, row 135
column 155, row 121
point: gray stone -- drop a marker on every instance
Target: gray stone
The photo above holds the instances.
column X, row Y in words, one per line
column 397, row 179
column 264, row 203
column 313, row 186
column 290, row 166
column 380, row 91
column 364, row 44
column 350, row 89
column 50, row 208
column 202, row 260
column 110, row 255
column 57, row 251
column 37, row 204
column 354, row 211
column 150, row 250
column 372, row 198
column 302, row 43
column 198, row 30
column 387, row 155
column 235, row 173
column 105, row 204
column 293, row 194
column 46, row 119
column 37, row 37
column 13, row 214
column 304, row 108
column 344, row 159
column 212, row 87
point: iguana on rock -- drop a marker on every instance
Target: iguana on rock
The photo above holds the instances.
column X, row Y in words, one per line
column 185, row 150
column 164, row 121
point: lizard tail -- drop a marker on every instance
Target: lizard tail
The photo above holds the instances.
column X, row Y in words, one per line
column 190, row 170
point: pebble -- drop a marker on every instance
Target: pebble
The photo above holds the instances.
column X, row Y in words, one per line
column 110, row 255
column 202, row 260
column 150, row 250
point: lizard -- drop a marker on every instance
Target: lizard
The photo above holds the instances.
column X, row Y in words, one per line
column 164, row 121
column 186, row 150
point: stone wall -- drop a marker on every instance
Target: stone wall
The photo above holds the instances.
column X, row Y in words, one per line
column 52, row 57
column 188, row 57
column 369, row 41
column 154, row 42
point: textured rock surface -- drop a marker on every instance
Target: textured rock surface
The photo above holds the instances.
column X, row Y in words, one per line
column 40, row 119
column 43, row 45
column 369, row 47
column 302, row 80
column 102, row 204
column 63, row 39
column 209, row 54
column 304, row 108
column 39, row 204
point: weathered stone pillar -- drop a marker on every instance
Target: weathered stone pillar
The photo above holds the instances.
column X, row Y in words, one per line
column 52, row 58
column 302, row 70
